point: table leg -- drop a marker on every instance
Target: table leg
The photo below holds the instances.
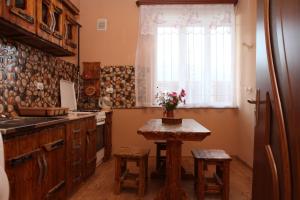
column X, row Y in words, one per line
column 172, row 189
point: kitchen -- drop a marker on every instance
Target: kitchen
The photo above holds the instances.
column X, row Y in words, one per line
column 74, row 92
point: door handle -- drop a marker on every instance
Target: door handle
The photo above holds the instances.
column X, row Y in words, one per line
column 41, row 170
column 251, row 101
column 45, row 166
column 257, row 103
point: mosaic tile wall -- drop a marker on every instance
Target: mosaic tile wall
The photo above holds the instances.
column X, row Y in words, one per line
column 21, row 67
column 122, row 80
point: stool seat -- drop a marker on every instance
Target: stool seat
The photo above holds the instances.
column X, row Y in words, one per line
column 212, row 155
column 219, row 183
column 129, row 152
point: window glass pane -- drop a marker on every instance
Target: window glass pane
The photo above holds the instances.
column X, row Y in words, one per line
column 167, row 62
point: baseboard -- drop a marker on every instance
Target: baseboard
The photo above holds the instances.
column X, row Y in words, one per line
column 242, row 161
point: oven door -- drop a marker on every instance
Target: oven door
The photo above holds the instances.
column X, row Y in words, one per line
column 100, row 142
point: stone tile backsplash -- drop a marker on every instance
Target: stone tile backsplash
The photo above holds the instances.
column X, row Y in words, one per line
column 121, row 79
column 21, row 68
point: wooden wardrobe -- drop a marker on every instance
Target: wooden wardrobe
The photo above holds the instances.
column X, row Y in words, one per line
column 276, row 172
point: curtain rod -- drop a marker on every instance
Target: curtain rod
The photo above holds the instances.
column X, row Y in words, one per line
column 156, row 2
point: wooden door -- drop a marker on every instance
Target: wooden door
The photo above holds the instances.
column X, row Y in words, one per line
column 52, row 141
column 21, row 13
column 24, row 167
column 277, row 140
column 90, row 152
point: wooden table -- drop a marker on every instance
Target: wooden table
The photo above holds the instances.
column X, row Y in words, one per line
column 189, row 130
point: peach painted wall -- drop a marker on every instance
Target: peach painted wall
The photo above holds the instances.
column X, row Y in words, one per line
column 246, row 59
column 117, row 46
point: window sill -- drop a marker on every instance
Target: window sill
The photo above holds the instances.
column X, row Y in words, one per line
column 180, row 108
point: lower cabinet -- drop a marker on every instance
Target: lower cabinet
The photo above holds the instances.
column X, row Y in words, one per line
column 81, row 148
column 34, row 165
column 51, row 163
column 52, row 141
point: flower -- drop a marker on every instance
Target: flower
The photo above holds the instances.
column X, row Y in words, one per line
column 170, row 100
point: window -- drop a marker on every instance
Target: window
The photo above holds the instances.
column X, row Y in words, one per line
column 189, row 47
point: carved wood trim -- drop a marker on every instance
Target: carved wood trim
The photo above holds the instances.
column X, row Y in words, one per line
column 284, row 151
column 154, row 2
column 273, row 170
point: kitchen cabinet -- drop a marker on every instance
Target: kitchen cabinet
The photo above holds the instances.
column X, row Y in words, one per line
column 52, row 141
column 81, row 151
column 50, row 21
column 49, row 25
column 32, row 161
column 70, row 41
column 75, row 152
column 108, row 136
column 21, row 13
column 23, row 165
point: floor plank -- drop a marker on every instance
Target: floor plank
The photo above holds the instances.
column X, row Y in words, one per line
column 100, row 186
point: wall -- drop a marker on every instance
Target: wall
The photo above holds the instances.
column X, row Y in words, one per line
column 21, row 67
column 117, row 46
column 246, row 29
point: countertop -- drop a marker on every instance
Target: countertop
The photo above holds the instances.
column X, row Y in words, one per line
column 23, row 124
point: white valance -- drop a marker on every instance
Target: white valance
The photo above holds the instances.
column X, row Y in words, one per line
column 184, row 15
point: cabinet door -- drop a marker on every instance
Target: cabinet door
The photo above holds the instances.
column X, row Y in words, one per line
column 21, row 13
column 23, row 167
column 90, row 158
column 52, row 141
column 70, row 32
column 58, row 22
column 108, row 136
column 45, row 20
column 75, row 155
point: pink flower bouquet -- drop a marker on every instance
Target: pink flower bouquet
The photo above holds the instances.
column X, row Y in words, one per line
column 170, row 100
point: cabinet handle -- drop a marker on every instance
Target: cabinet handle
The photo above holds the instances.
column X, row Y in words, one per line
column 76, row 131
column 87, row 139
column 90, row 131
column 22, row 158
column 55, row 189
column 54, row 145
column 45, row 166
column 66, row 31
column 41, row 170
column 22, row 15
column 54, row 22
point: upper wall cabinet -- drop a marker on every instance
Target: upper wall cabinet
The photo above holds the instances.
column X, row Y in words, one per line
column 21, row 13
column 49, row 25
column 50, row 21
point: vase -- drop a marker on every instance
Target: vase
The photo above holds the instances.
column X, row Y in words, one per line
column 170, row 113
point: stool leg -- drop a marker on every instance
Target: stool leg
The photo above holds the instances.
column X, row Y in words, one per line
column 200, row 180
column 195, row 175
column 226, row 182
column 147, row 157
column 117, row 188
column 142, row 177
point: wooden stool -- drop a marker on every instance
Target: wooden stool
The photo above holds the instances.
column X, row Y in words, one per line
column 219, row 183
column 123, row 178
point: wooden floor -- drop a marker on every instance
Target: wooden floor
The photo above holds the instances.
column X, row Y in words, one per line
column 100, row 186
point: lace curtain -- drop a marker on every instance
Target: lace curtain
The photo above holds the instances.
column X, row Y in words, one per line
column 189, row 47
